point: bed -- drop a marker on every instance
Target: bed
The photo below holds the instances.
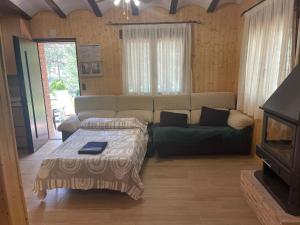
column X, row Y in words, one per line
column 116, row 168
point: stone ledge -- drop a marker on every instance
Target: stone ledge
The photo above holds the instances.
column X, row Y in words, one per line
column 265, row 207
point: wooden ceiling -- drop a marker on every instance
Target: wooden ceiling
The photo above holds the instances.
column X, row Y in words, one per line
column 8, row 9
column 28, row 8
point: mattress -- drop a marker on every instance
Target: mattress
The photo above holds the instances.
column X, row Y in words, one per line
column 116, row 168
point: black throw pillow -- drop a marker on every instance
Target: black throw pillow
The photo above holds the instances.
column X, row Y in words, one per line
column 213, row 117
column 169, row 119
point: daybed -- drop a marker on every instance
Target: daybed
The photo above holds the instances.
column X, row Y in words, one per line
column 116, row 168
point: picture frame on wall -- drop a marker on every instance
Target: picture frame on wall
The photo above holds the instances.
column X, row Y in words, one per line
column 89, row 61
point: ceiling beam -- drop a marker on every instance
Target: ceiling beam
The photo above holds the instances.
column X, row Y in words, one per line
column 213, row 6
column 134, row 9
column 173, row 6
column 252, row 7
column 56, row 8
column 95, row 8
column 20, row 11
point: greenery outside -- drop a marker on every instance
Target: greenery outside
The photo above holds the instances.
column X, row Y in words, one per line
column 62, row 67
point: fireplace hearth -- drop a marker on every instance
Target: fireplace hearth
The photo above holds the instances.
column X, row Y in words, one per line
column 280, row 145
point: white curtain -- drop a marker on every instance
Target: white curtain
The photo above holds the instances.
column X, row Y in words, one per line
column 266, row 57
column 156, row 59
column 297, row 44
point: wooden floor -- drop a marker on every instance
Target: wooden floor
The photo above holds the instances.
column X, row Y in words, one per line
column 179, row 191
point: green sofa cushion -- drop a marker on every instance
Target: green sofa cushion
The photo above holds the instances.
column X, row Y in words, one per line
column 200, row 139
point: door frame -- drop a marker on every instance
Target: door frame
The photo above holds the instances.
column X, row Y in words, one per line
column 53, row 40
column 59, row 40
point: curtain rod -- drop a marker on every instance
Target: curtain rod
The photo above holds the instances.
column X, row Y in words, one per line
column 252, row 7
column 152, row 23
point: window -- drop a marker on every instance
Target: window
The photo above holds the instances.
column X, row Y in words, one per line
column 170, row 66
column 138, row 65
column 267, row 53
column 156, row 59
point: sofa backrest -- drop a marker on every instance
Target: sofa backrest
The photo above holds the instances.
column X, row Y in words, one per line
column 95, row 102
column 140, row 107
column 171, row 103
column 219, row 100
column 176, row 102
column 148, row 108
column 96, row 106
column 134, row 103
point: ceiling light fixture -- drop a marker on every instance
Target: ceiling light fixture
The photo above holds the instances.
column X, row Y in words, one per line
column 125, row 5
column 116, row 2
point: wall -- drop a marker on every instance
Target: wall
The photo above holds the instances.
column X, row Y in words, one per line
column 13, row 26
column 12, row 209
column 3, row 204
column 10, row 27
column 216, row 46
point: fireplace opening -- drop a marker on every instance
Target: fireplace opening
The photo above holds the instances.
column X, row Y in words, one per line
column 279, row 138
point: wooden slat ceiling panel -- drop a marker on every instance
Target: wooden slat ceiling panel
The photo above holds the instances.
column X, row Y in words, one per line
column 203, row 3
column 31, row 7
column 67, row 6
column 156, row 3
column 105, row 5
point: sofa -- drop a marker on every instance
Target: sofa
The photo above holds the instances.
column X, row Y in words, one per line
column 235, row 138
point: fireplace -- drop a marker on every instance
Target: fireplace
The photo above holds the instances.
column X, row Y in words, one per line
column 280, row 144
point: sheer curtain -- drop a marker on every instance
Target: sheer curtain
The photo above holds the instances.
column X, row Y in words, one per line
column 266, row 53
column 156, row 59
column 297, row 44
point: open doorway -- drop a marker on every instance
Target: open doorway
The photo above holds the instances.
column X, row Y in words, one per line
column 60, row 81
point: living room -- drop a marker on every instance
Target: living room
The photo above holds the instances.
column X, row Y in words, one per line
column 195, row 105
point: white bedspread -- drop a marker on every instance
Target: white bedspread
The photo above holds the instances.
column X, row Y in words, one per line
column 116, row 168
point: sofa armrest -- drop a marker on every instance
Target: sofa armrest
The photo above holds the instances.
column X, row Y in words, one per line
column 238, row 120
column 65, row 135
column 69, row 125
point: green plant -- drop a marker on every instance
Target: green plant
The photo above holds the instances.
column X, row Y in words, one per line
column 57, row 85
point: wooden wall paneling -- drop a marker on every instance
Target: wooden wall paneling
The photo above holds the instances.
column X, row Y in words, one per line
column 13, row 211
column 13, row 26
column 9, row 28
column 3, row 204
column 215, row 45
column 257, row 134
column 25, row 31
column 19, row 27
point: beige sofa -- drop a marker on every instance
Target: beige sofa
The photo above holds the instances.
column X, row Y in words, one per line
column 148, row 108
